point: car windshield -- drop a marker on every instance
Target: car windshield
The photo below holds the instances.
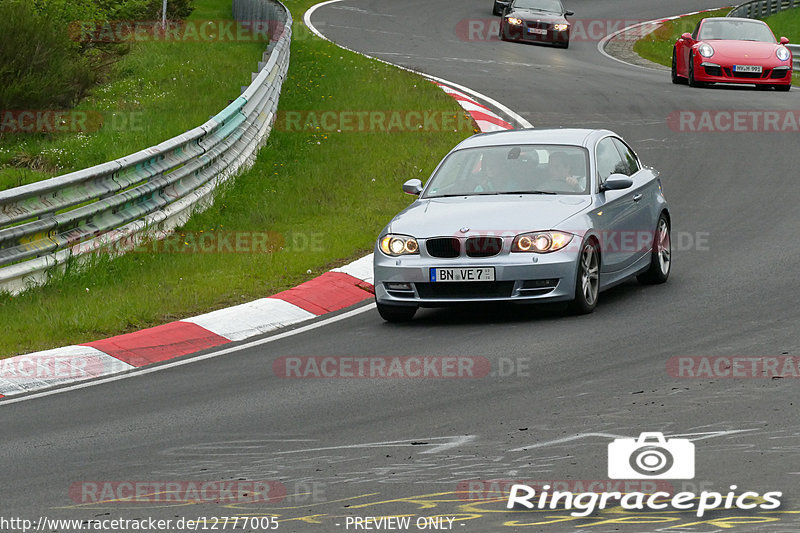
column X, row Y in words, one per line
column 518, row 169
column 551, row 6
column 736, row 30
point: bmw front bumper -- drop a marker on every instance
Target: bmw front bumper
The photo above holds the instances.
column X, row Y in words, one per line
column 519, row 277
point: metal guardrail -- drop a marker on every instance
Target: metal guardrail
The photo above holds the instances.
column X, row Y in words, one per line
column 116, row 205
column 795, row 49
column 759, row 9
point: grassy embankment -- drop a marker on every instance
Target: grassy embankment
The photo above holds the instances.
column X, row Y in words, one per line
column 144, row 102
column 326, row 193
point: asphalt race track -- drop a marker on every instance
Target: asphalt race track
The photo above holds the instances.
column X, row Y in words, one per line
column 377, row 447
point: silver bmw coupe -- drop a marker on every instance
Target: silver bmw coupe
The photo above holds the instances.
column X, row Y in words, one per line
column 525, row 216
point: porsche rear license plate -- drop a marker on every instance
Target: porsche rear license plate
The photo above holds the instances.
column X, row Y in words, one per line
column 748, row 68
column 462, row 274
column 537, row 31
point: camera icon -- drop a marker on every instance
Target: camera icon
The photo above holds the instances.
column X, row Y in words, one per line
column 651, row 457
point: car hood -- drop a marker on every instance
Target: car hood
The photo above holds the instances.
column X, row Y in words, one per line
column 497, row 215
column 527, row 14
column 742, row 50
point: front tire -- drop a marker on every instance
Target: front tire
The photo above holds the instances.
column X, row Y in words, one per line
column 660, row 255
column 587, row 284
column 396, row 313
column 675, row 78
column 783, row 88
column 503, row 32
column 692, row 81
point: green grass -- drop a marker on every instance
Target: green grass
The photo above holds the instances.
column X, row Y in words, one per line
column 657, row 47
column 327, row 194
column 144, row 104
column 787, row 24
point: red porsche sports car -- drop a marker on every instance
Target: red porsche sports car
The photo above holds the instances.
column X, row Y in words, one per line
column 732, row 50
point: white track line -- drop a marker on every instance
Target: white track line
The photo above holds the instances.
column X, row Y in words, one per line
column 491, row 101
column 602, row 44
column 190, row 360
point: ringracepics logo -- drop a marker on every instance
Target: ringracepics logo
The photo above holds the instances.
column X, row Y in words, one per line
column 651, row 456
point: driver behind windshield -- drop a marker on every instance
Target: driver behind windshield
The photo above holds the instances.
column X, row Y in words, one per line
column 561, row 171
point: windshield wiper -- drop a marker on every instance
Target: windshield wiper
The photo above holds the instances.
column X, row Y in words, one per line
column 527, row 192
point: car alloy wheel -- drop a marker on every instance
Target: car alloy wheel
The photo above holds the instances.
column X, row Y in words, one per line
column 660, row 256
column 587, row 287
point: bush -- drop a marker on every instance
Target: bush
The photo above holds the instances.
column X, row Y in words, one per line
column 40, row 67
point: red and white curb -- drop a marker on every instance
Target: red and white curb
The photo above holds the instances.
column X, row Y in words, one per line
column 486, row 119
column 446, row 85
column 332, row 291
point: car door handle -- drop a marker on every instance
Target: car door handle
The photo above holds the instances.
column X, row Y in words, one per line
column 637, row 197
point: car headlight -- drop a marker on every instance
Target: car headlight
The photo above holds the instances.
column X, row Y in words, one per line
column 705, row 50
column 561, row 27
column 514, row 21
column 541, row 242
column 783, row 53
column 395, row 245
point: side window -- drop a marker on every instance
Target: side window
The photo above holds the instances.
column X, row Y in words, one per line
column 696, row 30
column 631, row 164
column 608, row 159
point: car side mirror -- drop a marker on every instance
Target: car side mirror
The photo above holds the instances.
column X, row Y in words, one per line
column 687, row 36
column 616, row 182
column 568, row 13
column 784, row 40
column 412, row 187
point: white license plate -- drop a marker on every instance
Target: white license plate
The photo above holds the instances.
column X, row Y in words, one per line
column 747, row 68
column 537, row 31
column 462, row 274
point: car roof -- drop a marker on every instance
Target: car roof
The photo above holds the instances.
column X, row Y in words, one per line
column 734, row 19
column 569, row 136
